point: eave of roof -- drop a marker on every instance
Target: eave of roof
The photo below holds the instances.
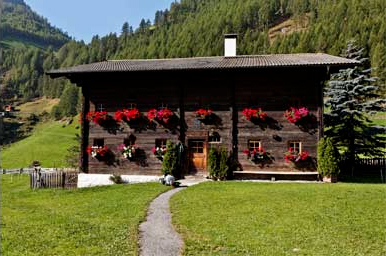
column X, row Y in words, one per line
column 208, row 63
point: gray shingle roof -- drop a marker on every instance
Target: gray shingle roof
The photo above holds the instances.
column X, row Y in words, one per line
column 198, row 63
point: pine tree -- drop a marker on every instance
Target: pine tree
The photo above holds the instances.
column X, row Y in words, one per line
column 351, row 97
column 328, row 158
column 125, row 29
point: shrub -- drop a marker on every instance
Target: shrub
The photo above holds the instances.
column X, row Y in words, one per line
column 117, row 179
column 328, row 158
column 223, row 165
column 213, row 163
column 169, row 163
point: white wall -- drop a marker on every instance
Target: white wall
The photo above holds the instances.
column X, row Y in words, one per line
column 92, row 180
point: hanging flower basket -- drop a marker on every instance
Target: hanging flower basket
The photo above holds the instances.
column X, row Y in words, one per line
column 152, row 114
column 164, row 115
column 254, row 114
column 257, row 155
column 295, row 157
column 203, row 113
column 294, row 115
column 128, row 152
column 127, row 115
column 159, row 152
column 97, row 152
column 97, row 117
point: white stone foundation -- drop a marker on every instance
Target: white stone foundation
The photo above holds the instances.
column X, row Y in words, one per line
column 91, row 180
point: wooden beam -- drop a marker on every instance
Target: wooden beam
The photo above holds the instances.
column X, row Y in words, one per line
column 85, row 129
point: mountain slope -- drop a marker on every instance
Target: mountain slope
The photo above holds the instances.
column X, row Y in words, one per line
column 20, row 25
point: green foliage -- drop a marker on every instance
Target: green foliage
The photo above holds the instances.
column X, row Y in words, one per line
column 49, row 144
column 169, row 162
column 249, row 218
column 223, row 164
column 328, row 158
column 218, row 164
column 331, row 24
column 213, row 162
column 18, row 22
column 351, row 96
column 61, row 222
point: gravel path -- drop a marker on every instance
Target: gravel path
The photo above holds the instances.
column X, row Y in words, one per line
column 157, row 235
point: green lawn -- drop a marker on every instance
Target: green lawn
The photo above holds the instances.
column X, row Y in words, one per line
column 239, row 218
column 94, row 221
column 48, row 144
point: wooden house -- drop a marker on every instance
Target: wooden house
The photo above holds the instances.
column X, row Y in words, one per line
column 243, row 102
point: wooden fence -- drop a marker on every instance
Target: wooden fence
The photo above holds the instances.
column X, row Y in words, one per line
column 366, row 167
column 67, row 180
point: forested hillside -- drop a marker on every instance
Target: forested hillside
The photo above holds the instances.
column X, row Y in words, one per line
column 19, row 24
column 196, row 28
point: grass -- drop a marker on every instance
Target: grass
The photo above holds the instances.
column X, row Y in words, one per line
column 239, row 218
column 93, row 221
column 379, row 119
column 48, row 144
column 37, row 107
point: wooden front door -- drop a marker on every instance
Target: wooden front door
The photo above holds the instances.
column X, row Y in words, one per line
column 197, row 155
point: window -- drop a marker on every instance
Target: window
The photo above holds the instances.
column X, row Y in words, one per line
column 254, row 144
column 196, row 146
column 160, row 143
column 214, row 138
column 99, row 142
column 296, row 146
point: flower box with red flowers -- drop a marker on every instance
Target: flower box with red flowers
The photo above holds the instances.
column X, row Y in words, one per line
column 254, row 114
column 127, row 115
column 159, row 152
column 295, row 157
column 97, row 117
column 127, row 151
column 203, row 113
column 256, row 155
column 294, row 115
column 164, row 114
column 97, row 152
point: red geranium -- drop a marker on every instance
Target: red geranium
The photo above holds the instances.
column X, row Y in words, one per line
column 96, row 151
column 203, row 113
column 294, row 156
column 127, row 114
column 251, row 113
column 164, row 114
column 293, row 114
column 97, row 117
column 152, row 114
column 256, row 155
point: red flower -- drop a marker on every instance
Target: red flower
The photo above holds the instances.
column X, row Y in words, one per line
column 203, row 113
column 88, row 150
column 151, row 114
column 293, row 115
column 250, row 113
column 97, row 116
column 164, row 114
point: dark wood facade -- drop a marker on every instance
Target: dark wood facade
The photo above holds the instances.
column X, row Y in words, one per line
column 226, row 92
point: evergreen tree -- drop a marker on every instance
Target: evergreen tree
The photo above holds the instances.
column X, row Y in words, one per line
column 125, row 29
column 328, row 158
column 351, row 97
column 169, row 162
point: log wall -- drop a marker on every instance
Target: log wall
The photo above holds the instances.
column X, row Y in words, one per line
column 227, row 93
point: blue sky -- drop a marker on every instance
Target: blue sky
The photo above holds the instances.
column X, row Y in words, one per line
column 84, row 18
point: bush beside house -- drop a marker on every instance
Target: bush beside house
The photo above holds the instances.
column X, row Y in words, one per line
column 328, row 160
